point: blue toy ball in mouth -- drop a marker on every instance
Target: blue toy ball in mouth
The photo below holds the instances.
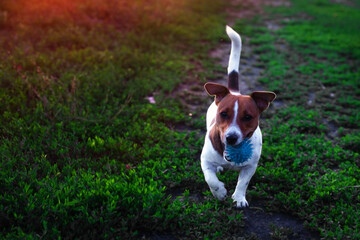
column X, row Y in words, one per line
column 239, row 153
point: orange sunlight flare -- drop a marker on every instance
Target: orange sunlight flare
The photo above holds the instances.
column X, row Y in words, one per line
column 123, row 12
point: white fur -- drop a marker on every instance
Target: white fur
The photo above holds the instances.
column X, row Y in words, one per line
column 235, row 52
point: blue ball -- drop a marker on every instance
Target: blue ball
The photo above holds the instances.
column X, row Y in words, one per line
column 239, row 153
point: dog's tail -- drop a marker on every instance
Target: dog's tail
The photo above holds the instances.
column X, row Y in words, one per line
column 234, row 60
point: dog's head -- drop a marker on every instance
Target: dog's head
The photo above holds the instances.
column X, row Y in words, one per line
column 238, row 115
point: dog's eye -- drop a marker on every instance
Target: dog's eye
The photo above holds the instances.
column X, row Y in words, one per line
column 224, row 115
column 247, row 118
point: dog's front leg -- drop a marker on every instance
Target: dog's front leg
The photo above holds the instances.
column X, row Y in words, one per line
column 217, row 187
column 243, row 181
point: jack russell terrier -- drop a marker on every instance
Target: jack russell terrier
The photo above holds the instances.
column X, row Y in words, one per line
column 233, row 139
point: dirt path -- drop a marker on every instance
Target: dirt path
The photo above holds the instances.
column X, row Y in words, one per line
column 259, row 224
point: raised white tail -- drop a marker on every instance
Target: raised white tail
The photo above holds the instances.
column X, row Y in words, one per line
column 234, row 59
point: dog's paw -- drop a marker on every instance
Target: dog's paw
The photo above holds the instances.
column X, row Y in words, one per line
column 240, row 202
column 219, row 192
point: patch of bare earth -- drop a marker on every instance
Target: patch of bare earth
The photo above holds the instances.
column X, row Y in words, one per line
column 259, row 223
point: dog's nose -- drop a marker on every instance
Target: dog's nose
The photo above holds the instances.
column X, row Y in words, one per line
column 231, row 139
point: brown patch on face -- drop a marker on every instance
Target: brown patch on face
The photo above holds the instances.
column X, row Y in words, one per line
column 248, row 116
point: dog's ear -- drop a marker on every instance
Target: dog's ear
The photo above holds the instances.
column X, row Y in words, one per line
column 263, row 99
column 217, row 90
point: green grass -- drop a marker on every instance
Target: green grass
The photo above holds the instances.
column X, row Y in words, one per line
column 84, row 155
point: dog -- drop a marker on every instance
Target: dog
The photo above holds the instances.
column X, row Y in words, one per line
column 233, row 139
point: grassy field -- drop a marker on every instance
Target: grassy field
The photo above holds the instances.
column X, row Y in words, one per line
column 84, row 155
